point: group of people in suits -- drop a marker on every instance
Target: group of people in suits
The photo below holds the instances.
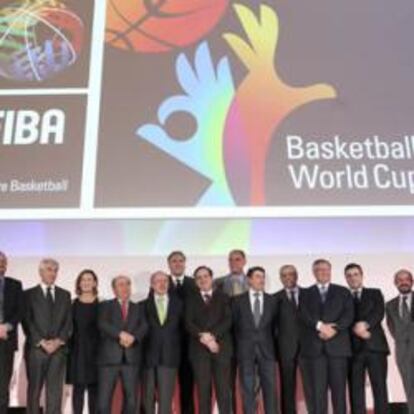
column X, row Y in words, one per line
column 206, row 334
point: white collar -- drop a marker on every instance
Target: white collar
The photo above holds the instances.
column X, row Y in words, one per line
column 178, row 278
column 407, row 295
column 45, row 287
column 208, row 292
column 324, row 285
column 253, row 292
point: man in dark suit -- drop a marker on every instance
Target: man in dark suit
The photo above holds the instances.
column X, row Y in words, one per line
column 123, row 327
column 400, row 321
column 48, row 325
column 11, row 313
column 234, row 284
column 254, row 320
column 288, row 337
column 183, row 286
column 162, row 345
column 208, row 320
column 326, row 314
column 369, row 345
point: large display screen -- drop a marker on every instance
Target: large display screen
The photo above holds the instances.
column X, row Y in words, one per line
column 208, row 107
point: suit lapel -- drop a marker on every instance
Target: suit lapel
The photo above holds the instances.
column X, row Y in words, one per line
column 153, row 309
column 265, row 311
column 248, row 307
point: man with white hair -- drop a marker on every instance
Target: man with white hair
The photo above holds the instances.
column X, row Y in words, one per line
column 48, row 325
column 164, row 313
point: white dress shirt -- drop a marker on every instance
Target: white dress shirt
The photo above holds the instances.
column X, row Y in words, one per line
column 295, row 292
column 46, row 287
column 206, row 292
column 178, row 278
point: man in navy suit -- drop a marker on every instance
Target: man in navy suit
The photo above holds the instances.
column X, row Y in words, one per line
column 326, row 314
column 183, row 286
column 369, row 345
column 254, row 322
column 11, row 313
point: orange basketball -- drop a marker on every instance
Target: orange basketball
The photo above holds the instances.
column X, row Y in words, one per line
column 154, row 26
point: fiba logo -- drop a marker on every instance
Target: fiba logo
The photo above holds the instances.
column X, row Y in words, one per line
column 38, row 39
column 27, row 127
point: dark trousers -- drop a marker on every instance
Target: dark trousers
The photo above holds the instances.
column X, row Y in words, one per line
column 108, row 377
column 210, row 370
column 78, row 398
column 375, row 364
column 324, row 373
column 186, row 381
column 288, row 368
column 233, row 384
column 6, row 371
column 160, row 381
column 45, row 370
column 266, row 370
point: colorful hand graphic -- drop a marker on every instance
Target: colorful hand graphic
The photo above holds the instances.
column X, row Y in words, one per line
column 208, row 94
column 262, row 101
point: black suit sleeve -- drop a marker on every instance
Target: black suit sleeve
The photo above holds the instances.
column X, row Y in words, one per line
column 191, row 327
column 18, row 307
column 347, row 316
column 390, row 321
column 376, row 316
column 275, row 317
column 66, row 328
column 104, row 323
column 225, row 324
column 304, row 314
column 141, row 328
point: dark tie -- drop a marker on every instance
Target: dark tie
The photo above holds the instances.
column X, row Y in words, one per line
column 207, row 298
column 405, row 309
column 293, row 298
column 50, row 306
column 256, row 309
column 179, row 284
column 49, row 298
column 356, row 297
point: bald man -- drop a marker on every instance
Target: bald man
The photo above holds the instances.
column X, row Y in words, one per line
column 123, row 327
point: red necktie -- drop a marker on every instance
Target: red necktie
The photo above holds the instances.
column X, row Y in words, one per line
column 124, row 310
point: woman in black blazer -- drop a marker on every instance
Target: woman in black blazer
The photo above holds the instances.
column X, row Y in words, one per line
column 83, row 346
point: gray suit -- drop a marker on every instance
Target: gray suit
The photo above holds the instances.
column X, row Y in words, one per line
column 403, row 334
column 231, row 285
column 41, row 322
